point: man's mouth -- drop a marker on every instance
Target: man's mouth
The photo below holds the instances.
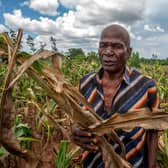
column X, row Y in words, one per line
column 109, row 63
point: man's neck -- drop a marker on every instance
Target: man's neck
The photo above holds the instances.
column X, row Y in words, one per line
column 113, row 75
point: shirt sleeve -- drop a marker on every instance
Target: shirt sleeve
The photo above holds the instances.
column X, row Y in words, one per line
column 153, row 97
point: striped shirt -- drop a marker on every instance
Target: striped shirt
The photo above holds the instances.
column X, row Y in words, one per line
column 136, row 91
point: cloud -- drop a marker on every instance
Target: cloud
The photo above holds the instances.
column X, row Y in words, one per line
column 25, row 3
column 153, row 28
column 3, row 28
column 68, row 3
column 82, row 26
column 155, row 44
column 41, row 26
column 47, row 7
column 96, row 12
column 102, row 12
column 85, row 19
column 65, row 25
column 156, row 12
column 88, row 18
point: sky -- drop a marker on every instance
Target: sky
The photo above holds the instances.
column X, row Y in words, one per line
column 78, row 23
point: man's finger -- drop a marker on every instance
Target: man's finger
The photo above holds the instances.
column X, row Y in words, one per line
column 89, row 147
column 79, row 132
column 82, row 139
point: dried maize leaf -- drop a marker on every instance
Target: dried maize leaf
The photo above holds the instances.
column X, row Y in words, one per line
column 135, row 118
column 7, row 137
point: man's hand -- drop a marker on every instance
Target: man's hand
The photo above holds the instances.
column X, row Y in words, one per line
column 84, row 138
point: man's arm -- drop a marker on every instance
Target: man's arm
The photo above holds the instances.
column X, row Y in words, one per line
column 152, row 135
column 152, row 141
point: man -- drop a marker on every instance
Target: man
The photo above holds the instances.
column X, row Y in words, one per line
column 115, row 88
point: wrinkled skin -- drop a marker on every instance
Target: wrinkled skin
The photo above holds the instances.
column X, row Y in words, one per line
column 84, row 138
column 114, row 50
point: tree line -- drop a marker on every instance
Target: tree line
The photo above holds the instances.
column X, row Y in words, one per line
column 78, row 53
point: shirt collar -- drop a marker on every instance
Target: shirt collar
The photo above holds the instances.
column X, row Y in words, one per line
column 126, row 76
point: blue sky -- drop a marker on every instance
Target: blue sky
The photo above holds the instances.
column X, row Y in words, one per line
column 78, row 23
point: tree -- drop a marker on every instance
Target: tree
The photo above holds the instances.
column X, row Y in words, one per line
column 13, row 36
column 75, row 52
column 92, row 56
column 154, row 56
column 42, row 46
column 53, row 46
column 30, row 42
column 135, row 60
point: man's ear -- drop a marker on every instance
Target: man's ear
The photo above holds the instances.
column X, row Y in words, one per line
column 129, row 51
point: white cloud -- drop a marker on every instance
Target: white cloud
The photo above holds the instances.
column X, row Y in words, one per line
column 48, row 7
column 155, row 44
column 153, row 28
column 158, row 28
column 3, row 28
column 65, row 25
column 25, row 3
column 41, row 26
column 102, row 12
column 68, row 3
column 87, row 20
column 82, row 24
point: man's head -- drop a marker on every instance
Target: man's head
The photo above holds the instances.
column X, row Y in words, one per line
column 114, row 48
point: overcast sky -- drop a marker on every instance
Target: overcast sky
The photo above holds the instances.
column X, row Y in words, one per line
column 78, row 23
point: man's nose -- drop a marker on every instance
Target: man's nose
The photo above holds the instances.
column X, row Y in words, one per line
column 109, row 50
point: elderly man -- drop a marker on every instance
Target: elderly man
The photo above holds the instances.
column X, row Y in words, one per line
column 115, row 88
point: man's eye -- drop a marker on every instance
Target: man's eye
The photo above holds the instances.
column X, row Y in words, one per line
column 118, row 46
column 101, row 45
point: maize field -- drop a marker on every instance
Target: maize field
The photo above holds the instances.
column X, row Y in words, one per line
column 39, row 100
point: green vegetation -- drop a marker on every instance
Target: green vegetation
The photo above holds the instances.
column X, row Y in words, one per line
column 32, row 102
column 64, row 157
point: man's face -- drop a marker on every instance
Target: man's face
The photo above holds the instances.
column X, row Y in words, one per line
column 113, row 51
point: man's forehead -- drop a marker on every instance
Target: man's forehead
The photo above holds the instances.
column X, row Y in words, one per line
column 111, row 40
column 115, row 34
column 114, row 38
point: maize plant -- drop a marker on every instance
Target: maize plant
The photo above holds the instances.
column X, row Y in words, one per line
column 69, row 99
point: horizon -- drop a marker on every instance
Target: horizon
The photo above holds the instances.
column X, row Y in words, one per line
column 78, row 24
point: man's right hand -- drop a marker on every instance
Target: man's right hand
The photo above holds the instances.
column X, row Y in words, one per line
column 84, row 138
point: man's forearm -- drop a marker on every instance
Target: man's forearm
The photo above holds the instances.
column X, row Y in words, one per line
column 152, row 141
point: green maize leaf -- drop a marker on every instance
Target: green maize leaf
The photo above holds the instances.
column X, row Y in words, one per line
column 29, row 139
column 3, row 151
column 37, row 66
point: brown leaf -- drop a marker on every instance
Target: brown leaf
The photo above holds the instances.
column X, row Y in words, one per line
column 135, row 118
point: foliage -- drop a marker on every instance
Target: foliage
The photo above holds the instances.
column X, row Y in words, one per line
column 54, row 44
column 64, row 157
column 66, row 93
column 3, row 151
column 79, row 67
column 134, row 61
column 3, row 45
column 42, row 46
column 75, row 66
column 22, row 130
column 75, row 52
column 30, row 42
